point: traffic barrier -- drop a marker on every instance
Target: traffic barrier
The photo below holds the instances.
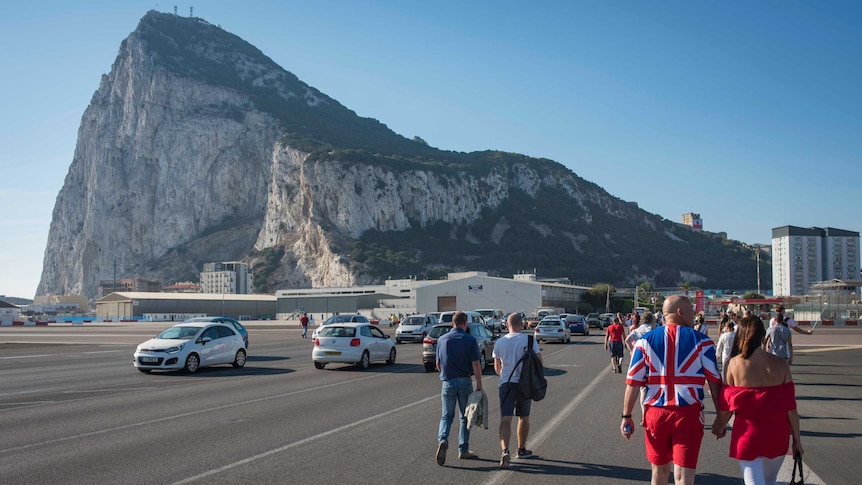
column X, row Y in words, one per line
column 803, row 322
column 16, row 322
column 852, row 323
column 828, row 322
column 42, row 323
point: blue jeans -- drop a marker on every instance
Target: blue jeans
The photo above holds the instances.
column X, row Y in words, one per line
column 455, row 390
column 304, row 331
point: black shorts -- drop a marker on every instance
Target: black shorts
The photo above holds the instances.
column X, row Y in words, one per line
column 511, row 401
column 616, row 348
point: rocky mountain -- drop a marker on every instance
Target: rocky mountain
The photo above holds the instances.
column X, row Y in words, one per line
column 197, row 147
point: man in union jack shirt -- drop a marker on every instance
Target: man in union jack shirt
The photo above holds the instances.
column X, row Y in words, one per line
column 672, row 362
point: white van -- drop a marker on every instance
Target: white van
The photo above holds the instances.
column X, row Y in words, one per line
column 494, row 318
column 472, row 317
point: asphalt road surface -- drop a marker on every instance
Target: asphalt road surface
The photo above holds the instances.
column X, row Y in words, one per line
column 74, row 410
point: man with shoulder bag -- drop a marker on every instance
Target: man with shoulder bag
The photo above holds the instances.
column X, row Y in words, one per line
column 508, row 351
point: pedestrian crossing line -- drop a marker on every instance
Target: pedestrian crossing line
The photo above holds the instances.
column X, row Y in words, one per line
column 546, row 431
column 825, row 349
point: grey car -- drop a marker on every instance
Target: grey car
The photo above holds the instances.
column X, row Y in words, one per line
column 414, row 327
column 483, row 335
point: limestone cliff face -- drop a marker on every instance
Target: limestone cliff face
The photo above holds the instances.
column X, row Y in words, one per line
column 160, row 161
column 198, row 148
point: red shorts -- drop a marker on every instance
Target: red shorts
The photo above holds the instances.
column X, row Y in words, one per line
column 673, row 433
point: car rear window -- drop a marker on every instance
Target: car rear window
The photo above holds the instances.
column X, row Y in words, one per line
column 332, row 331
column 436, row 332
column 549, row 323
column 446, row 317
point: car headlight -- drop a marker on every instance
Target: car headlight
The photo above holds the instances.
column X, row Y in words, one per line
column 174, row 350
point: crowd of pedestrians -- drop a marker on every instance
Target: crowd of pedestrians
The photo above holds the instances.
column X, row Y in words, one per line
column 672, row 362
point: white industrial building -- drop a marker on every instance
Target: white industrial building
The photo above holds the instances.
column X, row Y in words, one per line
column 804, row 256
column 459, row 291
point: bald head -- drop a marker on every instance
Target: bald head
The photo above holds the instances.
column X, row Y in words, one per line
column 677, row 310
column 515, row 322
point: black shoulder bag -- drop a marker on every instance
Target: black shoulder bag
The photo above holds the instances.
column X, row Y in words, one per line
column 797, row 465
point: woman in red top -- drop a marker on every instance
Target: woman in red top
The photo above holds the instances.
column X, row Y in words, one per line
column 760, row 392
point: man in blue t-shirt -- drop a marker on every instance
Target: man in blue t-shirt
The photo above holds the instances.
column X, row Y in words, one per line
column 457, row 360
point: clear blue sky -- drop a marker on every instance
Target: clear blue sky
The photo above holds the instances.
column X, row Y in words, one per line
column 749, row 113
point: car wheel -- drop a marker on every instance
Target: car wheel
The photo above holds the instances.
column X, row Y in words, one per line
column 145, row 371
column 482, row 360
column 430, row 367
column 193, row 362
column 319, row 365
column 239, row 360
column 365, row 361
column 391, row 359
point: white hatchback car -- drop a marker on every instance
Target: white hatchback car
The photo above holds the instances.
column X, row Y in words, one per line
column 190, row 346
column 352, row 343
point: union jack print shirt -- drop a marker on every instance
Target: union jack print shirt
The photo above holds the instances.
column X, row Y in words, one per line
column 673, row 362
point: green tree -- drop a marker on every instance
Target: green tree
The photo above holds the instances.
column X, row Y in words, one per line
column 597, row 295
column 753, row 295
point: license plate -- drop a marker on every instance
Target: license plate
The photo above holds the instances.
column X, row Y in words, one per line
column 332, row 353
column 149, row 359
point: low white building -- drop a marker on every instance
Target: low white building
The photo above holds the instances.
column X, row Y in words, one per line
column 8, row 313
column 472, row 290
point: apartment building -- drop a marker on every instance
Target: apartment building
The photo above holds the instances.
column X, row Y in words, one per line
column 804, row 256
column 233, row 278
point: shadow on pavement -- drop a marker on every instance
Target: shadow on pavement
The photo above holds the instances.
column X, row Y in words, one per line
column 537, row 466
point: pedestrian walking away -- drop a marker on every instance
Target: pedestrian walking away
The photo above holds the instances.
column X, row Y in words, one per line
column 457, row 360
column 614, row 344
column 791, row 323
column 673, row 362
column 303, row 321
column 779, row 340
column 760, row 392
column 507, row 352
column 724, row 347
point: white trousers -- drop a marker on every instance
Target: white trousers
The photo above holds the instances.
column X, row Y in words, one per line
column 761, row 471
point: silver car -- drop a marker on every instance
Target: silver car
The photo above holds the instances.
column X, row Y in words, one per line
column 414, row 327
column 552, row 329
column 483, row 335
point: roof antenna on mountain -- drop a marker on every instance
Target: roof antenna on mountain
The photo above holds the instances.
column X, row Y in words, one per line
column 191, row 12
column 175, row 9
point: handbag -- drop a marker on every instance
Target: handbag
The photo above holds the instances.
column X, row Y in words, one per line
column 797, row 465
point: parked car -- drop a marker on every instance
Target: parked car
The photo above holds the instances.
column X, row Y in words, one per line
column 552, row 329
column 494, row 318
column 414, row 327
column 348, row 318
column 607, row 319
column 190, row 346
column 352, row 343
column 483, row 335
column 227, row 321
column 577, row 324
column 593, row 320
column 532, row 321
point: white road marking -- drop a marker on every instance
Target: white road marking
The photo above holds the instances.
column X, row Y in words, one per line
column 303, row 441
column 184, row 415
column 550, row 427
